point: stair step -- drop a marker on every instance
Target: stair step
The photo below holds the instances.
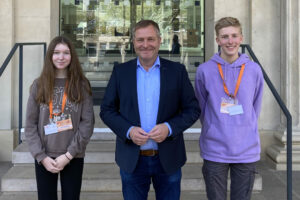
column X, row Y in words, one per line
column 101, row 152
column 107, row 134
column 105, row 76
column 103, row 178
column 99, row 83
column 187, row 195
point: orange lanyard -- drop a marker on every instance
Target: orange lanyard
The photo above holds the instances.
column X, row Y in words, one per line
column 237, row 83
column 64, row 100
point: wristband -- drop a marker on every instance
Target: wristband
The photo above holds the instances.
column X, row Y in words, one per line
column 67, row 157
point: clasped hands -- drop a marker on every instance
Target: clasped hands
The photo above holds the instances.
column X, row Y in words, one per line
column 57, row 164
column 159, row 133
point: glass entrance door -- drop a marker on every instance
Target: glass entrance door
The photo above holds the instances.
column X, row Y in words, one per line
column 101, row 31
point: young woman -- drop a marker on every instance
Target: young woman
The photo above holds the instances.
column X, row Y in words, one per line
column 229, row 88
column 59, row 122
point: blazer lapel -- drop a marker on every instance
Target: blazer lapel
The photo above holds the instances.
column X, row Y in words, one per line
column 133, row 87
column 163, row 85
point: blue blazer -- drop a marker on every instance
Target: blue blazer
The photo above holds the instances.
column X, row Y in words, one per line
column 177, row 105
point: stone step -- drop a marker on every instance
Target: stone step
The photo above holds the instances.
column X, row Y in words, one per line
column 107, row 134
column 111, row 58
column 106, row 63
column 107, row 66
column 99, row 125
column 99, row 83
column 102, row 178
column 101, row 152
column 103, row 83
column 105, row 76
column 186, row 195
column 96, row 76
column 277, row 157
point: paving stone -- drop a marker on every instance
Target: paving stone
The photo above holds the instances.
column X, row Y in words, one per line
column 187, row 195
column 102, row 177
column 101, row 152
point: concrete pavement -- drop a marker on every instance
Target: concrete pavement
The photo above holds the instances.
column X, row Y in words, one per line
column 274, row 187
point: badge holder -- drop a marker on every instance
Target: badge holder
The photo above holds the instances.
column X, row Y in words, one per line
column 230, row 104
column 58, row 120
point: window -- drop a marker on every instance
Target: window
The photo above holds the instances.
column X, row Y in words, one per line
column 101, row 29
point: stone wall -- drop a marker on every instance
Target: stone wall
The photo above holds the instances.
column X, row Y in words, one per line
column 6, row 43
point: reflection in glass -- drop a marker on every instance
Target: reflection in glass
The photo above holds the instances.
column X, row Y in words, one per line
column 101, row 29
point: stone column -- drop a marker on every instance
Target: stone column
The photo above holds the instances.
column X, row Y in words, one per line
column 6, row 80
column 216, row 9
column 209, row 29
column 54, row 19
column 290, row 87
column 34, row 21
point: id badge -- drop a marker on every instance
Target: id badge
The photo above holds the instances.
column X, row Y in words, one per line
column 58, row 124
column 225, row 104
column 50, row 129
column 235, row 110
column 64, row 125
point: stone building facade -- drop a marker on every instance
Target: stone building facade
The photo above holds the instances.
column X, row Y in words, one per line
column 271, row 27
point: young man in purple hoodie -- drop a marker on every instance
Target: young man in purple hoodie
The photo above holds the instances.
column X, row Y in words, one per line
column 229, row 88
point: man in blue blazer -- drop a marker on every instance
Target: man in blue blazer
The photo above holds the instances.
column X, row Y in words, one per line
column 148, row 103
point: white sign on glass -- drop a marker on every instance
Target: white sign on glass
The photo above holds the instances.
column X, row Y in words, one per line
column 126, row 3
column 86, row 2
column 67, row 2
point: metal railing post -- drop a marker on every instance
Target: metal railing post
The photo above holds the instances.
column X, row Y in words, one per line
column 8, row 58
column 243, row 49
column 289, row 158
column 3, row 67
column 45, row 50
column 20, row 90
column 288, row 125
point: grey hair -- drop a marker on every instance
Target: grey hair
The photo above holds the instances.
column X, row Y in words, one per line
column 143, row 24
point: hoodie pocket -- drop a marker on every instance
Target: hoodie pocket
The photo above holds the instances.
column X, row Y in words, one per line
column 58, row 142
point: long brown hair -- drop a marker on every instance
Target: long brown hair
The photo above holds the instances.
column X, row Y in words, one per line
column 75, row 77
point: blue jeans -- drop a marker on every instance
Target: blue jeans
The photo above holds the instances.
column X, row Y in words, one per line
column 242, row 177
column 136, row 185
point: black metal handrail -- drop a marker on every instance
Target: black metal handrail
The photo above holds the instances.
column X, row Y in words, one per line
column 3, row 67
column 288, row 120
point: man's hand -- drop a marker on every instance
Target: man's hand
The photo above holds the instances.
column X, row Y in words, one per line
column 138, row 136
column 62, row 161
column 50, row 165
column 159, row 133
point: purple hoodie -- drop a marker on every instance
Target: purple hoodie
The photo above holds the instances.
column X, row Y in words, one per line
column 225, row 138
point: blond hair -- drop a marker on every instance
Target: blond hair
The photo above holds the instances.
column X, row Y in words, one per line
column 227, row 21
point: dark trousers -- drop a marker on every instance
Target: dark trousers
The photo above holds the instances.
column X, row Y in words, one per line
column 70, row 180
column 136, row 185
column 242, row 177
